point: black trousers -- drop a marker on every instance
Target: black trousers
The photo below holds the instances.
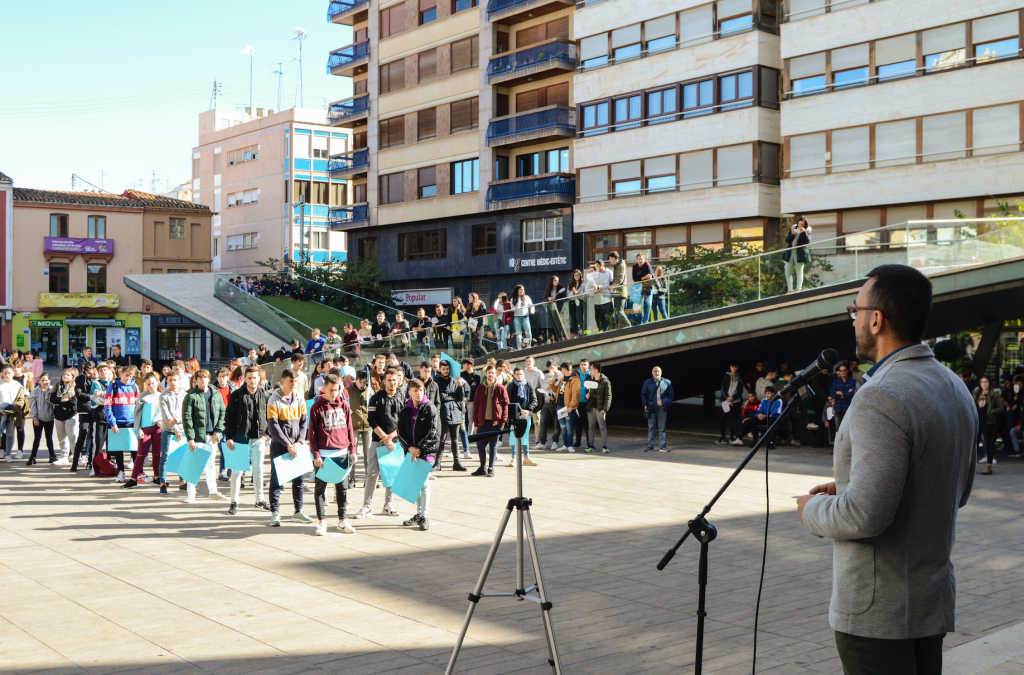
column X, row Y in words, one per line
column 84, row 444
column 581, row 426
column 340, row 496
column 451, row 433
column 44, row 429
column 872, row 656
column 727, row 421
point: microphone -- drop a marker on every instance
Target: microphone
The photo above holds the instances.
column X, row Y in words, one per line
column 826, row 361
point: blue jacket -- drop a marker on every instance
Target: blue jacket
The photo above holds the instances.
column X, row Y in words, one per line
column 119, row 403
column 648, row 395
column 314, row 346
column 772, row 408
column 849, row 388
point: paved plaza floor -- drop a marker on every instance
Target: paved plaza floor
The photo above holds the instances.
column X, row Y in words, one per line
column 95, row 579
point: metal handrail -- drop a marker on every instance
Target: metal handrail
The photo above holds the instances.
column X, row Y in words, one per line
column 679, row 44
column 353, row 106
column 638, row 193
column 350, row 160
column 543, row 53
column 357, row 297
column 357, row 212
column 531, row 121
column 494, row 6
column 341, row 6
column 827, row 7
column 347, row 55
column 533, row 187
column 894, row 159
column 689, row 113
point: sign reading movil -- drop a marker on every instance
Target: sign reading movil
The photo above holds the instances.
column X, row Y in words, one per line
column 73, row 246
column 518, row 264
column 423, row 297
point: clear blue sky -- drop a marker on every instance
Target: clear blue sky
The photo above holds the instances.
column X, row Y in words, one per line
column 117, row 87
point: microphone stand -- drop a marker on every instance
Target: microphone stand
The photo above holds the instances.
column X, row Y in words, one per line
column 704, row 532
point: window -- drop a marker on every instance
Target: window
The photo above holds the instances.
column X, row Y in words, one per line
column 301, row 191
column 97, row 227
column 996, row 130
column 556, row 94
column 339, row 194
column 392, row 188
column 807, row 74
column 736, row 91
column 594, row 51
column 465, row 176
column 246, row 154
column 465, row 114
column 734, row 16
column 896, row 57
column 626, row 179
column 661, row 102
column 627, row 109
column 359, row 87
column 58, row 225
column 320, row 240
column 660, row 173
column 459, row 5
column 359, row 140
column 243, row 241
column 427, row 123
column 429, row 245
column 542, row 234
column 992, row 51
column 177, row 271
column 850, row 78
column 698, row 98
column 428, row 11
column 392, row 132
column 943, row 47
column 660, row 33
column 243, row 197
column 96, row 278
column 626, row 42
column 195, row 167
column 485, row 239
column 367, row 248
column 216, row 246
column 392, row 76
column 177, row 228
column 595, row 119
column 428, row 66
column 320, row 147
column 58, row 274
column 558, row 160
column 501, row 167
column 528, row 165
column 359, row 193
column 466, row 54
column 392, row 20
column 321, row 192
column 427, row 182
column 216, row 160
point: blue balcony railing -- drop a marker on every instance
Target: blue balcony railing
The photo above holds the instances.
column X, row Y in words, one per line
column 532, row 125
column 347, row 55
column 559, row 186
column 350, row 161
column 534, row 59
column 341, row 6
column 339, row 112
column 503, row 6
column 341, row 217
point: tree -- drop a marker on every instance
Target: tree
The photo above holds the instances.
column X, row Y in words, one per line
column 351, row 287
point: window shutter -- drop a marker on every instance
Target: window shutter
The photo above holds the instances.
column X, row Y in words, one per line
column 529, row 36
column 994, row 27
column 396, row 187
column 735, row 164
column 460, row 116
column 895, row 143
column 461, row 54
column 428, row 176
column 397, row 129
column 427, row 4
column 861, row 219
column 625, row 36
column 944, row 136
column 593, row 184
column 398, row 75
column 805, row 9
column 559, row 28
column 851, row 149
column 474, row 51
column 385, row 24
column 558, row 94
column 428, row 65
column 696, row 26
column 527, row 100
column 398, row 19
column 996, row 130
column 696, row 170
column 661, row 27
column 594, row 47
column 626, row 170
column 943, row 39
column 384, row 195
column 660, row 166
column 474, row 111
column 385, row 80
column 427, row 123
column 806, row 155
column 730, row 8
column 895, row 50
column 849, row 57
column 807, row 66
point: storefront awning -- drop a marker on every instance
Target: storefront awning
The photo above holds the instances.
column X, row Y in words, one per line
column 90, row 322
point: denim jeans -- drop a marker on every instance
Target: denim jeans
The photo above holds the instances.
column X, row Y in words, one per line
column 165, row 443
column 645, row 308
column 521, row 326
column 658, row 311
column 525, row 440
column 566, row 424
column 502, row 333
column 487, row 448
column 656, row 419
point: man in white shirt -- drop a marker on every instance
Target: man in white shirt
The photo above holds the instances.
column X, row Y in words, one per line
column 599, row 278
column 537, row 379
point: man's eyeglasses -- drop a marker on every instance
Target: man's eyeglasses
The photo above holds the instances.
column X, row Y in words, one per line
column 853, row 309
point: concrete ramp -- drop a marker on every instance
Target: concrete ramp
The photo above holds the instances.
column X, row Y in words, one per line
column 193, row 296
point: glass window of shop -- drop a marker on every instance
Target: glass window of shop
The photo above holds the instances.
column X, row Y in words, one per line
column 99, row 347
column 46, row 344
column 178, row 343
column 78, row 340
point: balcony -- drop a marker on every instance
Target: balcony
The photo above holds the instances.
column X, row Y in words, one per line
column 349, row 217
column 349, row 111
column 350, row 164
column 350, row 60
column 534, row 62
column 514, row 11
column 552, row 122
column 549, row 188
column 347, row 12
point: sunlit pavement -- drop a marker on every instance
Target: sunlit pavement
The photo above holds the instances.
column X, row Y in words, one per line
column 98, row 579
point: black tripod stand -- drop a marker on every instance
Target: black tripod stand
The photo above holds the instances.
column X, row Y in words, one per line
column 524, row 530
column 704, row 532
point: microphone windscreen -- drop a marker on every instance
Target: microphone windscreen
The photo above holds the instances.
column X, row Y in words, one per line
column 828, row 359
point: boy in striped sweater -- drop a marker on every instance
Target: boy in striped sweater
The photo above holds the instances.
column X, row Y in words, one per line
column 287, row 419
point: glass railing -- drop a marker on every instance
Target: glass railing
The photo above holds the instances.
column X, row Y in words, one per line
column 534, row 124
column 338, row 112
column 347, row 55
column 341, row 6
column 528, row 60
column 269, row 318
column 553, row 185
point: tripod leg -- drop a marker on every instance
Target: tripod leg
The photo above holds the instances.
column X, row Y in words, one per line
column 475, row 597
column 545, row 606
column 702, row 582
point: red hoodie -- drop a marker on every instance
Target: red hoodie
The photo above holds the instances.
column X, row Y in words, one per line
column 330, row 426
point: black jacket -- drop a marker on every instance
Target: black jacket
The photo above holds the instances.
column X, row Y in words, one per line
column 795, row 239
column 527, row 402
column 64, row 411
column 451, row 396
column 241, row 406
column 383, row 411
column 427, row 434
column 472, row 380
column 82, row 386
column 406, row 370
column 737, row 398
column 432, row 392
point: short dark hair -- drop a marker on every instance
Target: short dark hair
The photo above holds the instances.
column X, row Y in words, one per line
column 390, row 354
column 360, row 374
column 904, row 295
column 415, row 384
column 769, row 388
column 595, row 366
column 390, row 370
column 146, row 362
column 331, row 379
column 287, row 373
column 424, row 364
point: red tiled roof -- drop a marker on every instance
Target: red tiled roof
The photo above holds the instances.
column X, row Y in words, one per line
column 5, row 178
column 130, row 199
column 157, row 202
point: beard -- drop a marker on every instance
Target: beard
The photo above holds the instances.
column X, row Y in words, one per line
column 867, row 344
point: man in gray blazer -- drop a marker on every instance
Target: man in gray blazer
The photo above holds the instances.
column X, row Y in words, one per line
column 903, row 464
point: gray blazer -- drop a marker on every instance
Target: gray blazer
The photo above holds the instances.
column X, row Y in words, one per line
column 904, row 464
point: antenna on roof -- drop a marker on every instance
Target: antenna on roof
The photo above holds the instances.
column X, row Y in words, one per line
column 300, row 35
column 279, row 71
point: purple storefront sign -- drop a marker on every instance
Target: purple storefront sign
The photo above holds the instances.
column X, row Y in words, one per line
column 72, row 245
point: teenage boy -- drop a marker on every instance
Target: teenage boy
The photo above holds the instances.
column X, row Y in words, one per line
column 520, row 392
column 171, row 401
column 748, row 419
column 202, row 416
column 419, row 430
column 430, row 388
column 770, row 409
column 145, row 368
column 355, row 393
column 315, row 346
column 224, row 389
column 567, row 395
column 538, row 379
column 382, row 416
column 246, row 422
column 450, row 394
column 732, row 391
column 97, row 399
column 301, row 380
column 331, row 436
column 391, row 361
column 490, row 407
column 119, row 409
column 287, row 421
column 84, row 444
column 843, row 389
column 580, row 422
column 599, row 403
column 471, row 382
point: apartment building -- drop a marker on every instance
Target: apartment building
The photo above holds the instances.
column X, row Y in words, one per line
column 267, row 181
column 463, row 119
column 900, row 110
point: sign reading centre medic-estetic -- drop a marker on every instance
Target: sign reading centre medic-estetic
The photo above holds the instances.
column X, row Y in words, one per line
column 73, row 245
column 519, row 263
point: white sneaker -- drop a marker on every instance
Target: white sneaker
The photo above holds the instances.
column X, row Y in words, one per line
column 365, row 512
column 512, row 463
column 301, row 517
column 571, row 449
column 551, row 445
column 11, row 457
column 448, row 453
column 219, row 497
column 63, row 461
column 120, row 476
column 143, row 478
column 92, row 472
column 321, row 528
column 345, row 527
column 497, row 458
column 735, row 441
column 811, row 426
column 389, row 510
column 467, row 455
column 560, row 448
column 189, row 499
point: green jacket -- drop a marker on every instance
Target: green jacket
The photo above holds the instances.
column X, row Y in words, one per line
column 193, row 414
column 601, row 398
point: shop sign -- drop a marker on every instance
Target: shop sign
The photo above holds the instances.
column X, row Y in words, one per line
column 78, row 300
column 527, row 264
column 173, row 320
column 72, row 246
column 423, row 297
column 46, row 323
column 132, row 341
